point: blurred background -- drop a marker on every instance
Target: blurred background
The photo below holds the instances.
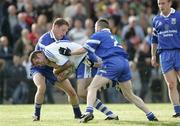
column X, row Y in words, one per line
column 22, row 22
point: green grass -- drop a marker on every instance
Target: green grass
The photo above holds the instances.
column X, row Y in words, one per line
column 61, row 115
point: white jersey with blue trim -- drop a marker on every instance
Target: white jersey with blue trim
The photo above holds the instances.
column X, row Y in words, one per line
column 52, row 53
column 166, row 30
column 104, row 45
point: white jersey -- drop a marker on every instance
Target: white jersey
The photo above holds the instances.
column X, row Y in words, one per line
column 52, row 53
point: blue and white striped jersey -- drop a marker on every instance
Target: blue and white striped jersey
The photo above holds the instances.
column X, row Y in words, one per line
column 47, row 39
column 166, row 30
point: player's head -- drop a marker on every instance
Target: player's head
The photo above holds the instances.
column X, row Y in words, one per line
column 164, row 6
column 60, row 27
column 101, row 24
column 37, row 58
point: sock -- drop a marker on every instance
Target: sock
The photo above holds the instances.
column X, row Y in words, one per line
column 89, row 109
column 37, row 110
column 177, row 108
column 101, row 107
column 150, row 116
column 77, row 111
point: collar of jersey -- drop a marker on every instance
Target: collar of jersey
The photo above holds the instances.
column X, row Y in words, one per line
column 171, row 12
column 106, row 29
column 52, row 35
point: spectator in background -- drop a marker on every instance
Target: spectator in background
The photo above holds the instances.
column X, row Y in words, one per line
column 42, row 23
column 133, row 35
column 78, row 33
column 23, row 46
column 58, row 8
column 115, row 28
column 20, row 86
column 144, row 63
column 34, row 34
column 80, row 13
column 9, row 21
column 44, row 7
column 31, row 13
column 6, row 51
column 89, row 27
column 5, row 4
column 68, row 10
column 22, row 24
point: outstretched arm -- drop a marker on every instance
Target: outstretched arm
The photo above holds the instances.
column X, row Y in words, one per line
column 79, row 51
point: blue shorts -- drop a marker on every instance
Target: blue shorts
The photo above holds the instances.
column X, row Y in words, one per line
column 115, row 68
column 47, row 72
column 83, row 71
column 170, row 59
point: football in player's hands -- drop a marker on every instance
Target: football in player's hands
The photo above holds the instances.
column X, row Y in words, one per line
column 65, row 51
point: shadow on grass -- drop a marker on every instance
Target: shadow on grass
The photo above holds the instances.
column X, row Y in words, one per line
column 134, row 123
column 146, row 123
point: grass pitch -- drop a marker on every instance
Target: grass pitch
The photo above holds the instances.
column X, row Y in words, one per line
column 61, row 115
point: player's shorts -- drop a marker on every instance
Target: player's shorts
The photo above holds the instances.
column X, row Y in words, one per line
column 83, row 71
column 115, row 68
column 169, row 59
column 47, row 72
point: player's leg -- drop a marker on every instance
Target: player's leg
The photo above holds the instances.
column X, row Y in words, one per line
column 82, row 85
column 171, row 81
column 177, row 108
column 126, row 88
column 39, row 81
column 97, row 83
column 72, row 96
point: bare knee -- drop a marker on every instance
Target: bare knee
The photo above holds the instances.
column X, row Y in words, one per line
column 71, row 93
column 129, row 95
column 172, row 85
column 92, row 88
column 41, row 89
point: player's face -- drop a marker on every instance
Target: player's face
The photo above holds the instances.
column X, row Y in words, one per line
column 60, row 31
column 164, row 6
column 40, row 60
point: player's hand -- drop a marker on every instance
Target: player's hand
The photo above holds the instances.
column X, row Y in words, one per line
column 65, row 51
column 62, row 75
column 154, row 61
column 88, row 62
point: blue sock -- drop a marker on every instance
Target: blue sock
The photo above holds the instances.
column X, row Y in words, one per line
column 101, row 107
column 89, row 109
column 37, row 110
column 77, row 111
column 150, row 116
column 177, row 108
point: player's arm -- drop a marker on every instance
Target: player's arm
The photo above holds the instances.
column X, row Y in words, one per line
column 79, row 51
column 90, row 45
column 154, row 44
column 154, row 55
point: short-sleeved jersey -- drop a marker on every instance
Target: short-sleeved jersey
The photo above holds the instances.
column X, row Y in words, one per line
column 45, row 40
column 104, row 45
column 52, row 53
column 166, row 30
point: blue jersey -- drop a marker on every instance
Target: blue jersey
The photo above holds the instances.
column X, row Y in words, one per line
column 46, row 71
column 115, row 64
column 104, row 45
column 166, row 31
